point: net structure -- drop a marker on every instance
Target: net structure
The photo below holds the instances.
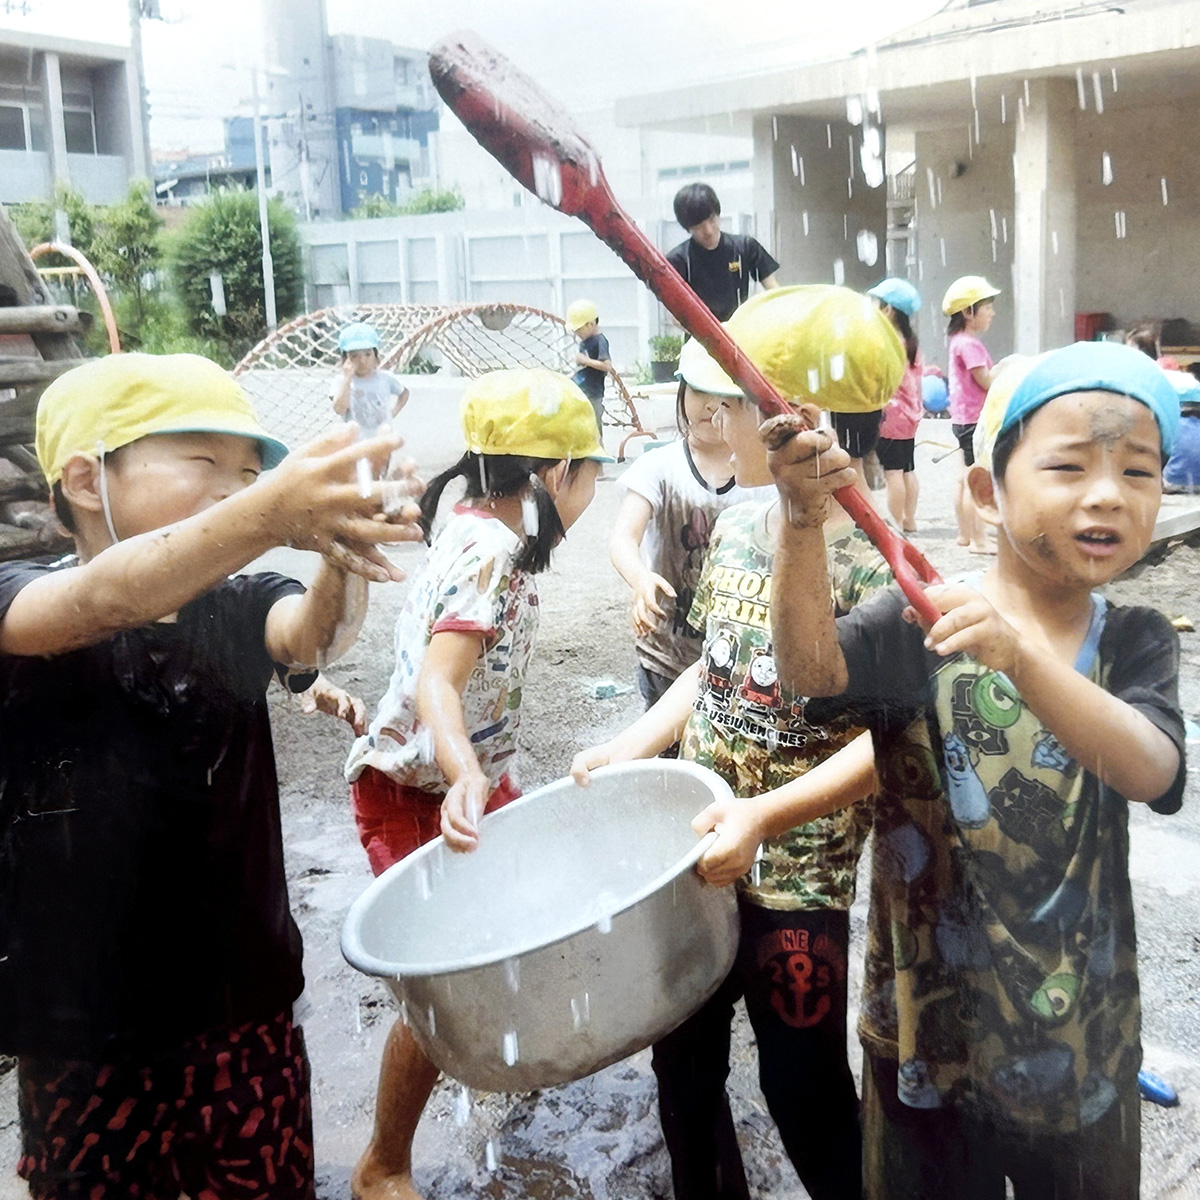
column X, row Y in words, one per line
column 292, row 374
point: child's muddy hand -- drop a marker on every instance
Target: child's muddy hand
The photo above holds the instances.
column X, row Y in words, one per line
column 970, row 625
column 327, row 697
column 587, row 761
column 647, row 611
column 738, row 839
column 369, row 562
column 462, row 810
column 808, row 466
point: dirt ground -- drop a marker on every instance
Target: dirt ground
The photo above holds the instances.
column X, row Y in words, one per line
column 600, row 1137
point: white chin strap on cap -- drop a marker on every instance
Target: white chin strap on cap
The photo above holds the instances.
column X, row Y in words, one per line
column 104, row 504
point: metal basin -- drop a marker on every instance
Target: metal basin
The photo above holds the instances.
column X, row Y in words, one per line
column 577, row 934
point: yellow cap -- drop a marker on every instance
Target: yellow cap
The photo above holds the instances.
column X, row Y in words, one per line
column 991, row 416
column 580, row 313
column 111, row 402
column 966, row 292
column 822, row 344
column 530, row 412
column 699, row 370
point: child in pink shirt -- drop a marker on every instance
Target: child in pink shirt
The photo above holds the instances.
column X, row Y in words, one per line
column 969, row 305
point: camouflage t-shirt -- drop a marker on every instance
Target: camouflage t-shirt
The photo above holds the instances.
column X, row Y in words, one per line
column 1001, row 968
column 750, row 729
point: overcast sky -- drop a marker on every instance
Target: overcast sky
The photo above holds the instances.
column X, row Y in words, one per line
column 586, row 54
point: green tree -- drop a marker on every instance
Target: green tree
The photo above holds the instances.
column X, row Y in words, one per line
column 428, row 200
column 126, row 246
column 34, row 221
column 222, row 235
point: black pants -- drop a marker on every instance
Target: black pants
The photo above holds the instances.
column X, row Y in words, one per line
column 653, row 687
column 944, row 1154
column 791, row 969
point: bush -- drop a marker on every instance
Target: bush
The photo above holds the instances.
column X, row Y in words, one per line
column 425, row 201
column 125, row 248
column 665, row 347
column 222, row 235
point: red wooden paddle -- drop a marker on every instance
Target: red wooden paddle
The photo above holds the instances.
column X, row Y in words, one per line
column 520, row 126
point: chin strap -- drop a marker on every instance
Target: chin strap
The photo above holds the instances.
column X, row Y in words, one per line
column 104, row 504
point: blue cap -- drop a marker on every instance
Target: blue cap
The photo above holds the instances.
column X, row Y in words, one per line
column 1098, row 367
column 900, row 294
column 358, row 336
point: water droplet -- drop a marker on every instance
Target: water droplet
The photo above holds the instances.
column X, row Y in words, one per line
column 992, row 215
column 490, row 1155
column 978, row 139
column 404, row 1011
column 804, row 222
column 510, row 1048
column 1004, row 229
column 1003, row 109
column 849, row 188
column 1098, row 92
column 1080, row 88
column 1026, row 83
column 547, row 180
column 530, row 520
column 1054, row 241
column 1163, row 181
column 512, row 974
column 795, row 162
column 1119, row 218
column 1021, row 107
column 775, row 129
column 1114, row 79
column 854, row 110
column 873, row 100
column 1106, row 171
column 431, row 1018
column 974, row 97
column 358, row 1016
column 942, row 245
column 939, row 189
column 462, row 1106
column 483, row 488
column 829, row 135
column 839, row 272
column 837, row 366
column 364, row 477
column 814, row 380
column 867, row 245
column 424, row 884
column 581, row 1012
column 1062, row 303
column 932, row 186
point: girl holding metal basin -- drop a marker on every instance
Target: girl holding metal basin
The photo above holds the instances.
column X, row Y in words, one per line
column 441, row 749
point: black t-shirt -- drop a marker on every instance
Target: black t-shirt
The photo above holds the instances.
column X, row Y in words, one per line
column 589, row 380
column 721, row 277
column 142, row 890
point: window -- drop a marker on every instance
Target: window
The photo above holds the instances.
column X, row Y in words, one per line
column 80, row 130
column 12, row 127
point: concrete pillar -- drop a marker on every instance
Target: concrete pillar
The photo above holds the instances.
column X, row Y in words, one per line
column 1044, row 217
column 56, row 131
column 814, row 209
column 139, row 133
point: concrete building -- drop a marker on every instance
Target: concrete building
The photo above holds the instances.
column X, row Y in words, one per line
column 1045, row 148
column 187, row 178
column 69, row 113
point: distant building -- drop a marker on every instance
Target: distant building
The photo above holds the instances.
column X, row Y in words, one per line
column 187, row 178
column 69, row 114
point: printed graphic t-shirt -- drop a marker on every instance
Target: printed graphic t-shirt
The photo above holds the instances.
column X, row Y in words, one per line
column 683, row 509
column 966, row 396
column 143, row 898
column 468, row 585
column 721, row 276
column 589, row 380
column 1001, row 968
column 754, row 732
column 371, row 398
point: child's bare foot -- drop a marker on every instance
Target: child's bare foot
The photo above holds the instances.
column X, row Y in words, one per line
column 962, row 541
column 370, row 1181
column 985, row 548
column 910, row 529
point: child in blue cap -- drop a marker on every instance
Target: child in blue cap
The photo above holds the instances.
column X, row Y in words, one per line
column 367, row 395
column 1000, row 1015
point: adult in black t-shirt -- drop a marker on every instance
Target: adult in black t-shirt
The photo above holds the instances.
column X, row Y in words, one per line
column 718, row 266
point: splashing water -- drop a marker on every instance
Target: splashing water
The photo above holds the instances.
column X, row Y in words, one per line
column 1079, row 87
column 490, row 1155
column 581, row 1012
column 854, row 110
column 1163, row 181
column 1098, row 92
column 804, row 222
column 547, row 180
column 839, row 272
column 867, row 245
column 512, row 974
column 1106, row 171
column 510, row 1049
column 364, row 477
column 462, row 1106
column 837, row 366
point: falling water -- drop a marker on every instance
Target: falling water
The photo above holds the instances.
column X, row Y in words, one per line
column 490, row 1155
column 462, row 1106
column 1106, row 171
column 365, row 477
column 839, row 272
column 1079, row 87
column 1097, row 92
column 512, row 974
column 510, row 1049
column 1163, row 181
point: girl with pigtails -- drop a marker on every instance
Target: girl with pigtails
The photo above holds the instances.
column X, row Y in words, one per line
column 441, row 750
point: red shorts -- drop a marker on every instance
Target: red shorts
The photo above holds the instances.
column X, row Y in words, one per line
column 226, row 1115
column 393, row 819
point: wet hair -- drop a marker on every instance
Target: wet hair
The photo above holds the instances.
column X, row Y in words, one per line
column 905, row 330
column 681, row 421
column 1144, row 338
column 694, row 203
column 492, row 476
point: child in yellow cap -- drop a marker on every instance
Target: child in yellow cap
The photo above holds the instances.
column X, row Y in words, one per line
column 732, row 715
column 148, row 958
column 594, row 359
column 1000, row 1016
column 442, row 747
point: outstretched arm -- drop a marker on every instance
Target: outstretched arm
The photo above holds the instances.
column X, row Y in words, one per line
column 625, row 551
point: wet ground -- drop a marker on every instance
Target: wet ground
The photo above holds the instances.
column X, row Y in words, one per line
column 599, row 1137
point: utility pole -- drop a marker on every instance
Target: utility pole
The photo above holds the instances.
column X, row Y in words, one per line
column 264, row 224
column 137, row 10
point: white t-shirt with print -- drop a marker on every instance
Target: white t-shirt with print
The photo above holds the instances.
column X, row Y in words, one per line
column 468, row 585
column 683, row 510
column 370, row 404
